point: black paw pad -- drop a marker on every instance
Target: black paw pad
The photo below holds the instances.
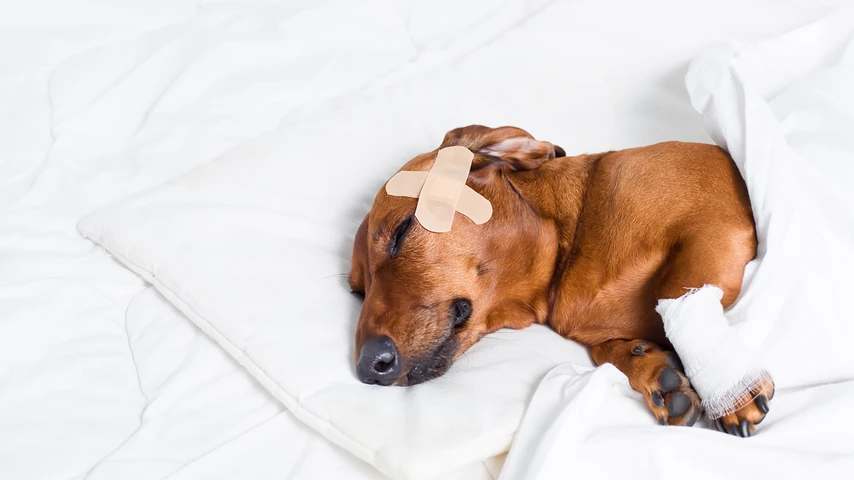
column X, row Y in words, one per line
column 679, row 404
column 669, row 380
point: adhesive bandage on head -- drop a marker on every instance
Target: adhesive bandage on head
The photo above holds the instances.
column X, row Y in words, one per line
column 716, row 360
column 442, row 191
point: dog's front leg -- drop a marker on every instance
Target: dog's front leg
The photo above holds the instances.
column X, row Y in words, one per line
column 655, row 373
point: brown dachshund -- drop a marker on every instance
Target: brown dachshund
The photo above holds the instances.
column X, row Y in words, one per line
column 586, row 245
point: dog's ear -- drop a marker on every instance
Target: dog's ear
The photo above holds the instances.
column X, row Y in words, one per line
column 513, row 146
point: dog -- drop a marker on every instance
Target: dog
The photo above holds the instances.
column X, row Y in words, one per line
column 586, row 245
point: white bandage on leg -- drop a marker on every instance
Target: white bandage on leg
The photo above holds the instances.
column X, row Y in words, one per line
column 719, row 365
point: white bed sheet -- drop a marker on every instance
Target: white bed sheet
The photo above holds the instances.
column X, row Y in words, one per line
column 200, row 407
column 100, row 100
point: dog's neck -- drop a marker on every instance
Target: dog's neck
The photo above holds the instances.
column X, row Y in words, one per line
column 557, row 191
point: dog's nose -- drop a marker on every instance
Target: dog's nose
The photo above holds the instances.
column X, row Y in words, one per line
column 378, row 362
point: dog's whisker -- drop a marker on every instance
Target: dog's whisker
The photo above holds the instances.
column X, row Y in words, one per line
column 494, row 258
column 336, row 275
column 488, row 337
column 441, row 302
column 488, row 270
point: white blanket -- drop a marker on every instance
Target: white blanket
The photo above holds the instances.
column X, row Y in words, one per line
column 784, row 108
column 101, row 100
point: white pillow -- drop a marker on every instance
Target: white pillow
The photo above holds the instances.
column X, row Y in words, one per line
column 251, row 247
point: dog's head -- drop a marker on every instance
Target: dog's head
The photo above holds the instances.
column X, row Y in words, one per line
column 430, row 296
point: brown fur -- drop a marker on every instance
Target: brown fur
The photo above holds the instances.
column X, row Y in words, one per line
column 584, row 244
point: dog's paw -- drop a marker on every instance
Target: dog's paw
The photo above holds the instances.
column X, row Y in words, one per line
column 667, row 390
column 742, row 422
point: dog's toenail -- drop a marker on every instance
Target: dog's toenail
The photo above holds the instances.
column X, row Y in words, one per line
column 678, row 405
column 694, row 417
column 762, row 404
column 719, row 425
column 744, row 429
column 657, row 399
column 732, row 430
column 662, row 421
column 669, row 379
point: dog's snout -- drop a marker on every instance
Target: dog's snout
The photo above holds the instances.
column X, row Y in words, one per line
column 378, row 362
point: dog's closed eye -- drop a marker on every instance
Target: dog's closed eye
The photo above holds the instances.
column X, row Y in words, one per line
column 397, row 237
